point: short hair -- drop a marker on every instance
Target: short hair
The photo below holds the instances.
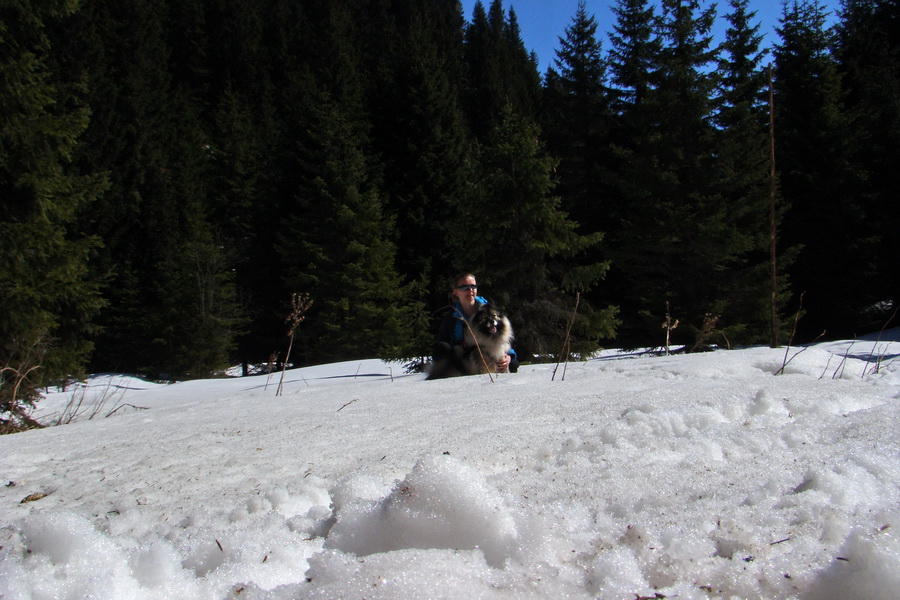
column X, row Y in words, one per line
column 460, row 276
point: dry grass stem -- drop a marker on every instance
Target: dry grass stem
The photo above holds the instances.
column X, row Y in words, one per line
column 300, row 303
column 669, row 325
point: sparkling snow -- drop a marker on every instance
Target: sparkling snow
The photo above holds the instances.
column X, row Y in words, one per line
column 691, row 476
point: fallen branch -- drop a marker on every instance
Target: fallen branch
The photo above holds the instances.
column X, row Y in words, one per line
column 116, row 409
column 346, row 405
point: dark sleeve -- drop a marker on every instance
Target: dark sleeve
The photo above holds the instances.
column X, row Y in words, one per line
column 445, row 332
column 513, row 361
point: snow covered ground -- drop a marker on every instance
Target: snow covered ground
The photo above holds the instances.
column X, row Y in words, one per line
column 694, row 476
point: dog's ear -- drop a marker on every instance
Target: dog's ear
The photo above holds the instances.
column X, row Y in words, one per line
column 492, row 304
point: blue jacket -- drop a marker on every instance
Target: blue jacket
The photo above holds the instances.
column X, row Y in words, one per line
column 458, row 331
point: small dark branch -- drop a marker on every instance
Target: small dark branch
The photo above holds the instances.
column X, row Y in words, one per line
column 801, row 351
column 115, row 410
column 346, row 405
column 566, row 342
column 787, row 349
column 780, row 541
column 880, row 359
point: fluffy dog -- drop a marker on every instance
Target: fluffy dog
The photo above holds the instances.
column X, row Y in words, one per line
column 488, row 331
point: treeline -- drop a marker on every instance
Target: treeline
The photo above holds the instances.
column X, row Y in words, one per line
column 172, row 171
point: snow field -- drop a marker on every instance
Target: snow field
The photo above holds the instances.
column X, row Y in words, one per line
column 699, row 476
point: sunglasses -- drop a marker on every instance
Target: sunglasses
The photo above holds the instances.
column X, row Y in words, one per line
column 466, row 288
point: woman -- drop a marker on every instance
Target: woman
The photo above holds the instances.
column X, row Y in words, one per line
column 451, row 332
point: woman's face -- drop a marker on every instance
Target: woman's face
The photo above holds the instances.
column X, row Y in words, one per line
column 465, row 290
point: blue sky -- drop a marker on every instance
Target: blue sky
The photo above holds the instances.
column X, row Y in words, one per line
column 543, row 21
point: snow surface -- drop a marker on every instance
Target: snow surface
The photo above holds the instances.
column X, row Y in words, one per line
column 691, row 476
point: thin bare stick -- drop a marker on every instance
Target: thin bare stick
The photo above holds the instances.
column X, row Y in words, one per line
column 115, row 410
column 477, row 347
column 346, row 405
column 787, row 349
column 566, row 344
column 878, row 362
column 801, row 351
column 669, row 325
column 839, row 371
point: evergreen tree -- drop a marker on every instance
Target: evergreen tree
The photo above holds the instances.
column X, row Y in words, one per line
column 868, row 52
column 577, row 120
column 147, row 132
column 633, row 64
column 419, row 132
column 253, row 45
column 47, row 295
column 836, row 266
column 522, row 245
column 500, row 70
column 743, row 174
column 190, row 279
column 634, row 58
column 337, row 248
column 672, row 236
column 337, row 242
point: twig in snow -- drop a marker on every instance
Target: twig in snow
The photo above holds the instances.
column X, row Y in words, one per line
column 878, row 362
column 346, row 405
column 566, row 342
column 780, row 541
column 839, row 371
column 113, row 411
column 787, row 348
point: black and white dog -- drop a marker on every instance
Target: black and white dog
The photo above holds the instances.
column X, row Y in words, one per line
column 488, row 334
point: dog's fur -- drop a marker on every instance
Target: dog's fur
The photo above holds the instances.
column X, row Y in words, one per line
column 490, row 331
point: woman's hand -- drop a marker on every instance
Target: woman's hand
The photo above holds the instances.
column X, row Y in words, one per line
column 503, row 364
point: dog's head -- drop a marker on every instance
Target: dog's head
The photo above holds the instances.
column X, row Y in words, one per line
column 490, row 320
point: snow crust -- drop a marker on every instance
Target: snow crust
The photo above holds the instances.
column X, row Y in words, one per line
column 694, row 476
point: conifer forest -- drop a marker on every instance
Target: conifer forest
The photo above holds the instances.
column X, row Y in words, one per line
column 174, row 172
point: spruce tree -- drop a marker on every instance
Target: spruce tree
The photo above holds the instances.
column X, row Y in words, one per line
column 672, row 238
column 420, row 134
column 148, row 132
column 337, row 241
column 743, row 176
column 634, row 67
column 868, row 55
column 577, row 121
column 500, row 69
column 523, row 246
column 835, row 269
column 634, row 56
column 48, row 297
column 338, row 248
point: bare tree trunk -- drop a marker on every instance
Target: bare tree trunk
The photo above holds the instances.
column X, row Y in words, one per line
column 773, row 220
